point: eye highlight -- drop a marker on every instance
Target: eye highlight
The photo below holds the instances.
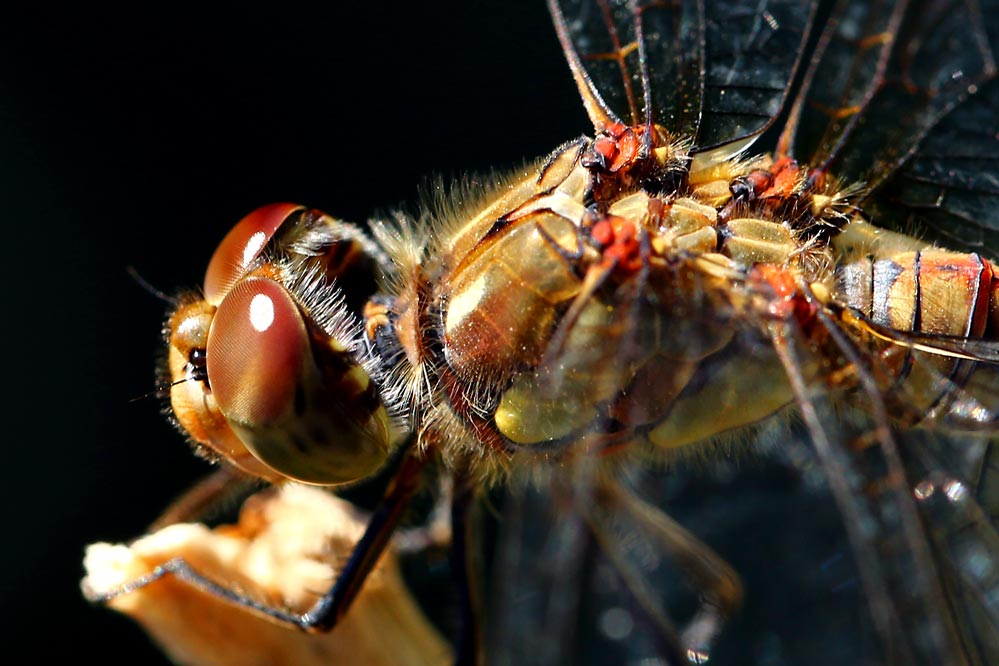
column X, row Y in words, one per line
column 262, row 368
column 191, row 398
column 256, row 350
column 241, row 246
column 294, row 396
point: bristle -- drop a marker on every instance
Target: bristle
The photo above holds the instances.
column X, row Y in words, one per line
column 404, row 242
column 449, row 206
column 321, row 299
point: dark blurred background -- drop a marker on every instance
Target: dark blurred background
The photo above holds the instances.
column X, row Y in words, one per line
column 136, row 137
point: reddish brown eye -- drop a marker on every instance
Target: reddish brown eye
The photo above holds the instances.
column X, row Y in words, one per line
column 241, row 246
column 193, row 403
column 296, row 398
column 255, row 351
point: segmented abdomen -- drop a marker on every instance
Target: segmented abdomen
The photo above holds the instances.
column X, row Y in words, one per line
column 946, row 302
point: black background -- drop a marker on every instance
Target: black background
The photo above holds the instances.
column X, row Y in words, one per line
column 135, row 137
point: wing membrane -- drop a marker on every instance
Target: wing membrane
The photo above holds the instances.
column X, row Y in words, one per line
column 752, row 51
column 908, row 86
column 714, row 71
column 930, row 601
column 950, row 186
column 953, row 479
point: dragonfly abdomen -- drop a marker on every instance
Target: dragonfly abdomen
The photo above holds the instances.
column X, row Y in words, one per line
column 930, row 291
column 934, row 306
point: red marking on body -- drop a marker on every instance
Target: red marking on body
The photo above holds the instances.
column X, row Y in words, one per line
column 987, row 295
column 619, row 244
column 759, row 180
column 618, row 146
column 612, row 447
column 817, row 179
column 784, row 174
column 788, row 301
column 992, row 313
column 779, row 279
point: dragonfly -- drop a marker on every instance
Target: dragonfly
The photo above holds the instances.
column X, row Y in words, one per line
column 730, row 256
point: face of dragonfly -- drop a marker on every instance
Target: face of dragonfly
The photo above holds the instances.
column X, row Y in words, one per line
column 693, row 90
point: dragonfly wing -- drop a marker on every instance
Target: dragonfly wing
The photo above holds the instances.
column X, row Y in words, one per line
column 949, row 187
column 901, row 97
column 715, row 72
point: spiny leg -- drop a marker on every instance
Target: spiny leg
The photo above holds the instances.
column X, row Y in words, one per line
column 467, row 646
column 719, row 586
column 332, row 606
column 205, row 497
column 868, row 527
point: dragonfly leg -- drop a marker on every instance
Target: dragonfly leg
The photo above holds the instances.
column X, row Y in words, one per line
column 331, row 607
column 468, row 643
column 436, row 531
column 721, row 588
column 215, row 491
column 326, row 612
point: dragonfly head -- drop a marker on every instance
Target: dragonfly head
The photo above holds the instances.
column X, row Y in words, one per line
column 266, row 369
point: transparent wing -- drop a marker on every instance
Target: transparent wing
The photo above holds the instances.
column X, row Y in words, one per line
column 950, row 187
column 713, row 71
column 925, row 602
column 950, row 465
column 564, row 600
column 901, row 97
column 953, row 479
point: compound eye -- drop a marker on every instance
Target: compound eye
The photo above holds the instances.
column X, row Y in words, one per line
column 295, row 396
column 191, row 399
column 241, row 246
